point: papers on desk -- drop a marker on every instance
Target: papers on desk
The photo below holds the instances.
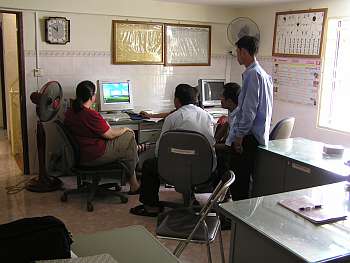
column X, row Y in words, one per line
column 312, row 211
column 103, row 258
column 154, row 119
column 333, row 150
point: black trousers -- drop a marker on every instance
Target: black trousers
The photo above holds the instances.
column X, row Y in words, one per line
column 243, row 165
column 223, row 163
column 150, row 183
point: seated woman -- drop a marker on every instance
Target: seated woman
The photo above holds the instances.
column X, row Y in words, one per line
column 99, row 143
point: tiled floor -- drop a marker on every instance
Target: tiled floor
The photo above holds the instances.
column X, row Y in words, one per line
column 108, row 212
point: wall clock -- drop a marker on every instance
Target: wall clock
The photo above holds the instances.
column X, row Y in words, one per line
column 57, row 30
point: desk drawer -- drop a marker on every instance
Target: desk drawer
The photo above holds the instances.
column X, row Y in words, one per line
column 133, row 127
column 151, row 125
column 149, row 135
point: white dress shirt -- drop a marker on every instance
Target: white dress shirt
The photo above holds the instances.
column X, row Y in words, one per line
column 192, row 118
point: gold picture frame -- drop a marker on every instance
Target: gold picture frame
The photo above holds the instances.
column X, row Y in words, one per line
column 137, row 42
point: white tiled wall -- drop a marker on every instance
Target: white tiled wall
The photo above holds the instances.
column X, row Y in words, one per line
column 153, row 85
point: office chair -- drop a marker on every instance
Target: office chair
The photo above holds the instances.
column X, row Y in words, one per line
column 186, row 225
column 283, row 129
column 89, row 177
column 185, row 160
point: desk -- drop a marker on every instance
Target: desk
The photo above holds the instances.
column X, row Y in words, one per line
column 296, row 163
column 263, row 231
column 126, row 245
column 145, row 131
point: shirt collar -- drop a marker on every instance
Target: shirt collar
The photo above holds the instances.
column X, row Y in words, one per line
column 187, row 106
column 232, row 113
column 252, row 65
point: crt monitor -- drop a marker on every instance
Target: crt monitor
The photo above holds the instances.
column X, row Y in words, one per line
column 115, row 95
column 211, row 91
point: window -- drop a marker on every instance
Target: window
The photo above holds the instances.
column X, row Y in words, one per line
column 335, row 96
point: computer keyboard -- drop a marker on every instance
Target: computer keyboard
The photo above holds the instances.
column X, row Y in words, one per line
column 115, row 116
column 216, row 112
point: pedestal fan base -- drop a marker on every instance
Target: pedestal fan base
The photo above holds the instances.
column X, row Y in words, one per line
column 42, row 185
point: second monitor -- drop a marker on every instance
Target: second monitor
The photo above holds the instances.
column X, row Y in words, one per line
column 211, row 91
column 115, row 95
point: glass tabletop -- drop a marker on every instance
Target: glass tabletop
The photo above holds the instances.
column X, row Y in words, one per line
column 310, row 242
column 310, row 152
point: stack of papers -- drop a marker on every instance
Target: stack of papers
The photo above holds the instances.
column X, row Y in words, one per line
column 154, row 119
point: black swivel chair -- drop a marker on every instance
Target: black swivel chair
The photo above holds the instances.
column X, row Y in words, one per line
column 283, row 129
column 88, row 178
column 185, row 160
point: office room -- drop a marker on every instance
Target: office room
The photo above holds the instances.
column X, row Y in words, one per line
column 316, row 99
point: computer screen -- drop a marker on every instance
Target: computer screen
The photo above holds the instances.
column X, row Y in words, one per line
column 115, row 95
column 211, row 91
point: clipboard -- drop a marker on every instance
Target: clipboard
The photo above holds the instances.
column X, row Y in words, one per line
column 314, row 212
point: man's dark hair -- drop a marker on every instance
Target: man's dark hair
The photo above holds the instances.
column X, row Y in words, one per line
column 231, row 91
column 186, row 94
column 249, row 43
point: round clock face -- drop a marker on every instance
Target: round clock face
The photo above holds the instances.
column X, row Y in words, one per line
column 57, row 30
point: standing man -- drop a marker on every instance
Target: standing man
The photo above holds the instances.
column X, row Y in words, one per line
column 253, row 117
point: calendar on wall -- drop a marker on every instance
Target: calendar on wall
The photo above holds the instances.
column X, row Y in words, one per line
column 296, row 80
column 299, row 33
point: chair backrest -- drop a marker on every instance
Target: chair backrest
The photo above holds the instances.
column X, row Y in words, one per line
column 185, row 159
column 71, row 149
column 283, row 129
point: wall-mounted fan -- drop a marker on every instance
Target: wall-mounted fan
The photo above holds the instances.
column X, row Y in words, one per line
column 242, row 26
column 48, row 102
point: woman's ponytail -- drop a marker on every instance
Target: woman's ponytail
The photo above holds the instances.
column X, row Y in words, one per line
column 85, row 90
column 77, row 105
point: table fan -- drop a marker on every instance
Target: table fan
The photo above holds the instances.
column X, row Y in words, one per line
column 242, row 26
column 48, row 102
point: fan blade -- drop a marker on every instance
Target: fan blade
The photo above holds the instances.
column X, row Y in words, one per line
column 49, row 101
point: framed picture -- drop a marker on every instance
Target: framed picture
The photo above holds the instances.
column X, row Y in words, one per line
column 136, row 42
column 187, row 45
column 299, row 33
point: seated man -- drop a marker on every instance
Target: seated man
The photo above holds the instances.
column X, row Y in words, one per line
column 186, row 117
column 229, row 101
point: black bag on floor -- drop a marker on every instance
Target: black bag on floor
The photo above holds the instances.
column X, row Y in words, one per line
column 36, row 238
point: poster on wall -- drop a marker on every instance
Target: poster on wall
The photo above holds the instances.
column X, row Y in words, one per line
column 187, row 45
column 299, row 33
column 296, row 80
column 136, row 42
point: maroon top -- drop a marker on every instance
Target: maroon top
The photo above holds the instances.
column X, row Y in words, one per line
column 87, row 126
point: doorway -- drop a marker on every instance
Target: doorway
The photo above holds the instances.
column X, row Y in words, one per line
column 13, row 117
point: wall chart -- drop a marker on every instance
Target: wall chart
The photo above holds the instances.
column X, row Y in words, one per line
column 299, row 33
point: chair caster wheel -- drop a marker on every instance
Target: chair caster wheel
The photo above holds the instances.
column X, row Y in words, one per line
column 124, row 200
column 64, row 198
column 89, row 207
column 117, row 188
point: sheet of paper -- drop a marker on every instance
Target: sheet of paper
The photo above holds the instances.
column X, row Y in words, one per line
column 154, row 119
column 296, row 80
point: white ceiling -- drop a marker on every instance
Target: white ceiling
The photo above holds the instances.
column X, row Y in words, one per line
column 232, row 3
